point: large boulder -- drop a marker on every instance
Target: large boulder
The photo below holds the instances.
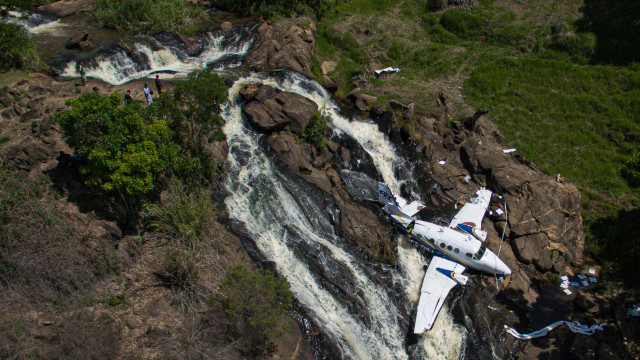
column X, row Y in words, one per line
column 65, row 8
column 74, row 41
column 299, row 157
column 270, row 110
column 287, row 44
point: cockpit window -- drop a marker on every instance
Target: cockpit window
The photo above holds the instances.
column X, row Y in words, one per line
column 478, row 255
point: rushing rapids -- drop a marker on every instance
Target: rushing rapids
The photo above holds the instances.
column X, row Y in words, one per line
column 117, row 64
column 293, row 229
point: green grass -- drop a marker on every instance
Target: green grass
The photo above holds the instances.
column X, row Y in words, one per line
column 567, row 118
column 174, row 16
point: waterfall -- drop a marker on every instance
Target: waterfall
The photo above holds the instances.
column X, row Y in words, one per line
column 271, row 208
column 163, row 54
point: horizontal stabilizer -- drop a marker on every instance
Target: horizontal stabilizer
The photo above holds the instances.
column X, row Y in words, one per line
column 388, row 198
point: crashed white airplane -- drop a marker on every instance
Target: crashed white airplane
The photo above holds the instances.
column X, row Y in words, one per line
column 454, row 248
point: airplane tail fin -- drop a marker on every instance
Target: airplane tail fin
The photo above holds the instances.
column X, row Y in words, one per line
column 388, row 198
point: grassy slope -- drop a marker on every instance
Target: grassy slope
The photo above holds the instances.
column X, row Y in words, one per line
column 560, row 93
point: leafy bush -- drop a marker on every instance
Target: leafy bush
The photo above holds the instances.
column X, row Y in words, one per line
column 316, row 131
column 175, row 16
column 259, row 298
column 17, row 49
column 631, row 170
column 123, row 152
column 463, row 24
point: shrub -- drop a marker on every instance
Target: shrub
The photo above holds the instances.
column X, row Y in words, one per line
column 463, row 24
column 631, row 170
column 259, row 298
column 316, row 130
column 17, row 49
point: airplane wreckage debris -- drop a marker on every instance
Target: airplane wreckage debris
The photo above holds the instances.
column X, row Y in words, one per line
column 575, row 326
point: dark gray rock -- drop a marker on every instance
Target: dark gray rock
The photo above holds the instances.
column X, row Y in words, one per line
column 74, row 41
column 359, row 186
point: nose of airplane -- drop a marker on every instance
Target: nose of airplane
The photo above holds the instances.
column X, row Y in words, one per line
column 502, row 268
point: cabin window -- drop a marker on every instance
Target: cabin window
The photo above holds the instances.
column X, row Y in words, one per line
column 456, row 250
column 442, row 245
column 478, row 255
column 468, row 255
column 432, row 241
column 449, row 247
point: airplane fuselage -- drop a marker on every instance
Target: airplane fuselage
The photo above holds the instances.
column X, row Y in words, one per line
column 457, row 245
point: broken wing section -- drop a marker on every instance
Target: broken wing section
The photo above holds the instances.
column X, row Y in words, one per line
column 442, row 275
column 469, row 218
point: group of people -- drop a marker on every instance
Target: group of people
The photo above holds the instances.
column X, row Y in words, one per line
column 128, row 98
column 147, row 92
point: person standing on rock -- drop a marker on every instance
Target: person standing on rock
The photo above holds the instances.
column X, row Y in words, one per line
column 147, row 94
column 158, row 84
column 82, row 72
column 128, row 99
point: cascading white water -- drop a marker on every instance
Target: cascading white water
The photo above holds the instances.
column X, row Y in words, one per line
column 269, row 207
column 151, row 56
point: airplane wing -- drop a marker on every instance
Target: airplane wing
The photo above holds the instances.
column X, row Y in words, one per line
column 473, row 211
column 442, row 275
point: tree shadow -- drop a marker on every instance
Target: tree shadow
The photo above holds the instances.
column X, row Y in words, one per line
column 616, row 27
column 618, row 243
column 69, row 182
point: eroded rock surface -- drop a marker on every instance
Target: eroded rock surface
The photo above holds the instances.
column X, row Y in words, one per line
column 287, row 44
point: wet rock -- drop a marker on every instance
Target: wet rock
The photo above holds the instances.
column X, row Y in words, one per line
column 74, row 41
column 271, row 111
column 226, row 27
column 192, row 47
column 362, row 226
column 359, row 186
column 329, row 84
column 287, row 44
column 248, row 92
column 85, row 45
column 285, row 146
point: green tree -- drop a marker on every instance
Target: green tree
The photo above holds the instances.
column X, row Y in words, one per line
column 193, row 112
column 123, row 152
column 17, row 49
column 631, row 170
column 259, row 298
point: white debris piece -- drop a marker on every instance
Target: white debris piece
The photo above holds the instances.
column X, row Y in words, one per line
column 499, row 212
column 387, row 70
column 564, row 285
column 442, row 162
column 564, row 278
column 582, row 276
column 592, row 279
column 506, row 151
column 592, row 271
column 567, row 291
column 584, row 283
column 575, row 283
column 575, row 326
